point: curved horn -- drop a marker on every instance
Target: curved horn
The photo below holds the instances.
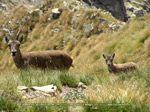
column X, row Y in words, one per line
column 18, row 34
column 6, row 30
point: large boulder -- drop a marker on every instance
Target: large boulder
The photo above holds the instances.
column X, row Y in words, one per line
column 116, row 7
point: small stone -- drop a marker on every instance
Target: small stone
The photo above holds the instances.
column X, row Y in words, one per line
column 56, row 13
column 88, row 27
column 56, row 10
column 22, row 88
column 81, row 85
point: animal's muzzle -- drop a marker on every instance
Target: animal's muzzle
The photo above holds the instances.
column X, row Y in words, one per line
column 13, row 53
column 109, row 65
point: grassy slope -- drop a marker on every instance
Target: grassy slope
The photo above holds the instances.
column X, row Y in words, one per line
column 130, row 43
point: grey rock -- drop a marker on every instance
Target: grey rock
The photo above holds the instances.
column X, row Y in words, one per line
column 140, row 13
column 116, row 7
column 88, row 27
column 120, row 9
column 135, row 9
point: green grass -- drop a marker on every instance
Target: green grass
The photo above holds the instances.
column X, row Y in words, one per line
column 70, row 80
column 29, row 78
column 87, row 79
column 8, row 104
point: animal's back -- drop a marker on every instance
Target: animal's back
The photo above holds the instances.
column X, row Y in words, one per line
column 52, row 59
column 126, row 67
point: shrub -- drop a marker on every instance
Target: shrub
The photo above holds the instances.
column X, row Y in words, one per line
column 69, row 79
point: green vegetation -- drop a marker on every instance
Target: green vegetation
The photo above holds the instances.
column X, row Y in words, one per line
column 8, row 104
column 132, row 88
column 130, row 43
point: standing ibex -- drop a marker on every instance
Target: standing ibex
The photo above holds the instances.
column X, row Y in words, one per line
column 52, row 59
column 118, row 68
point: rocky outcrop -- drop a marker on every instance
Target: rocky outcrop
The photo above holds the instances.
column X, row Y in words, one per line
column 122, row 9
column 136, row 9
column 116, row 7
column 8, row 4
column 21, row 1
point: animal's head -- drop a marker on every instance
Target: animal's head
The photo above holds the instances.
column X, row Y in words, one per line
column 14, row 44
column 109, row 59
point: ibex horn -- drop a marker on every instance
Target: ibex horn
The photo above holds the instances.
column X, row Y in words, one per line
column 18, row 34
column 6, row 30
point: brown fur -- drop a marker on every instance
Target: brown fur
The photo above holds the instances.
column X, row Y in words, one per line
column 118, row 68
column 52, row 59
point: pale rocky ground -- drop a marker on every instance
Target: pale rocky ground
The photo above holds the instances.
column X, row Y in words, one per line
column 124, row 10
column 48, row 91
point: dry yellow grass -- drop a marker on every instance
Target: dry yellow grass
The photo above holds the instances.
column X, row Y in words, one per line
column 122, row 93
column 147, row 46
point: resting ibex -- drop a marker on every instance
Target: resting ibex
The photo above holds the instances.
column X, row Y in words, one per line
column 118, row 68
column 52, row 59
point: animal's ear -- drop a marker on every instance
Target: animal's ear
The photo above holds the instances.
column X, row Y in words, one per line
column 6, row 39
column 113, row 55
column 21, row 39
column 104, row 56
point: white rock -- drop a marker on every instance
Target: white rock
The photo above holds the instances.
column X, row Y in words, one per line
column 37, row 10
column 56, row 10
column 22, row 88
column 46, row 89
column 82, row 85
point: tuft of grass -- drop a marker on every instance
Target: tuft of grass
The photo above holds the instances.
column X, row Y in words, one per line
column 39, row 78
column 87, row 79
column 7, row 104
column 145, row 38
column 69, row 79
column 147, row 46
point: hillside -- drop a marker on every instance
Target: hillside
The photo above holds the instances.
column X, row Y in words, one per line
column 70, row 32
column 85, row 33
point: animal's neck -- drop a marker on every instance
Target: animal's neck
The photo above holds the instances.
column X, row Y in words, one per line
column 18, row 60
column 112, row 68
